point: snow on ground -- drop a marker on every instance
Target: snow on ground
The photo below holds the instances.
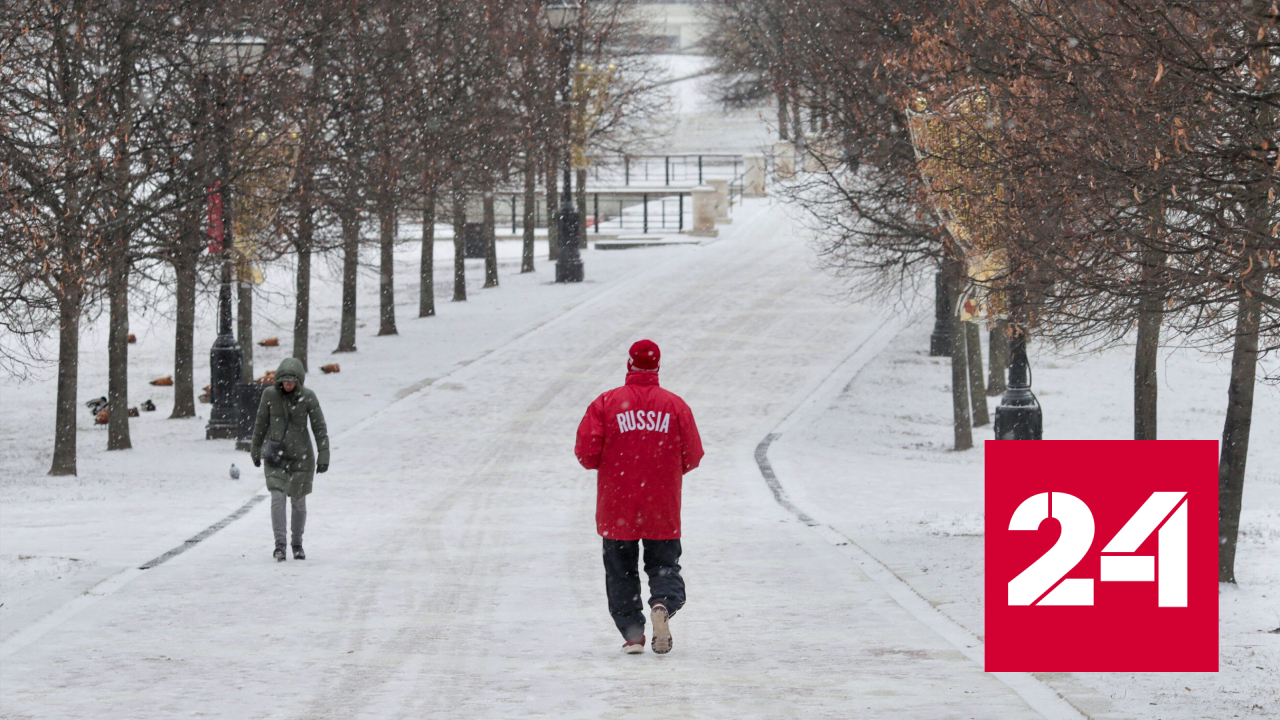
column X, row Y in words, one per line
column 453, row 566
column 875, row 463
column 63, row 535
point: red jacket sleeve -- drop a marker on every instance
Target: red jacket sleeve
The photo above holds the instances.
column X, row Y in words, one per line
column 590, row 436
column 690, row 441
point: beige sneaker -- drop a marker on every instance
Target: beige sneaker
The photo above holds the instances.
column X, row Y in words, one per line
column 634, row 647
column 661, row 630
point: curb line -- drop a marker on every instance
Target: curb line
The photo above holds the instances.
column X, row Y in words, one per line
column 1039, row 696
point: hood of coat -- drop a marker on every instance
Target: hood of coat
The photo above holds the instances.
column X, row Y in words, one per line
column 642, row 377
column 290, row 369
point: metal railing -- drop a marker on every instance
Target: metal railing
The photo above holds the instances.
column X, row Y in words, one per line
column 630, row 171
column 639, row 211
column 667, row 170
column 629, row 204
column 737, row 186
column 669, row 210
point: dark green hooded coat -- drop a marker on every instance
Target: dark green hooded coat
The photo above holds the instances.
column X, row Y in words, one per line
column 283, row 416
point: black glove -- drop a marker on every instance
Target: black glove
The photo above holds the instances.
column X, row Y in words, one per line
column 322, row 467
column 257, row 462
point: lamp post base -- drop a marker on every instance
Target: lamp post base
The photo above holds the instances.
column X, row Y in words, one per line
column 569, row 263
column 222, row 425
column 1018, row 416
column 225, row 364
column 248, row 398
column 940, row 344
column 568, row 270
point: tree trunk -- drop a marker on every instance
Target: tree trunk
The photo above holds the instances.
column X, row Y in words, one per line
column 64, row 435
column 783, row 135
column 184, row 397
column 387, row 266
column 350, row 269
column 118, row 349
column 490, row 240
column 959, row 371
column 977, row 394
column 459, row 245
column 998, row 357
column 118, row 273
column 302, row 299
column 244, row 319
column 1145, row 386
column 581, row 192
column 1235, row 433
column 302, row 304
column 306, row 240
column 1150, row 315
column 553, row 213
column 797, row 124
column 426, row 267
column 530, row 210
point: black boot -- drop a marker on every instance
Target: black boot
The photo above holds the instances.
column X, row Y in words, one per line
column 279, row 553
column 298, row 554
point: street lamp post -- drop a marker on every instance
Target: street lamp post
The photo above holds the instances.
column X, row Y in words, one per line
column 224, row 358
column 1018, row 416
column 224, row 57
column 561, row 16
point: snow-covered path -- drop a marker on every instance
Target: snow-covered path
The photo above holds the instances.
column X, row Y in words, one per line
column 453, row 566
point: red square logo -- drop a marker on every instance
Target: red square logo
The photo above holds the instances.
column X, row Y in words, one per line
column 1102, row 556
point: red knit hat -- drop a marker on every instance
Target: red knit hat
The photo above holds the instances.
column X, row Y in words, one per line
column 644, row 356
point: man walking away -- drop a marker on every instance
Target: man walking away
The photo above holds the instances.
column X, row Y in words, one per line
column 641, row 440
column 280, row 438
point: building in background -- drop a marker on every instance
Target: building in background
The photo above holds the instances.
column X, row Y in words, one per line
column 677, row 25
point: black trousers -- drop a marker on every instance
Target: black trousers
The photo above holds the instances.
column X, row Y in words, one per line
column 622, row 580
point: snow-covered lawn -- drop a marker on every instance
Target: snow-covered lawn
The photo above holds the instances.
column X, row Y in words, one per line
column 874, row 461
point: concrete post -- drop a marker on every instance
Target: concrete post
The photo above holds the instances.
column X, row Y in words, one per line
column 817, row 154
column 721, row 186
column 704, row 212
column 784, row 160
column 753, row 176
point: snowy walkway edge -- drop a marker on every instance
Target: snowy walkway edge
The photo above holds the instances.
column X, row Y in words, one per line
column 66, row 611
column 204, row 533
column 111, row 584
column 1039, row 696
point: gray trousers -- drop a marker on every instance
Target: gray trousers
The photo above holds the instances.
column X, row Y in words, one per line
column 299, row 520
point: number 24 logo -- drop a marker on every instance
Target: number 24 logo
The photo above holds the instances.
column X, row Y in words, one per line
column 1036, row 584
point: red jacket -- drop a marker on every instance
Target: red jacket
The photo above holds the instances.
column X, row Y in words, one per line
column 642, row 440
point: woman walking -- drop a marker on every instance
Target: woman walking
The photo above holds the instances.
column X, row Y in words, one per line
column 280, row 439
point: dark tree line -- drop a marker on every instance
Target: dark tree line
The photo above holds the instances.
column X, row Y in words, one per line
column 121, row 120
column 1120, row 168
